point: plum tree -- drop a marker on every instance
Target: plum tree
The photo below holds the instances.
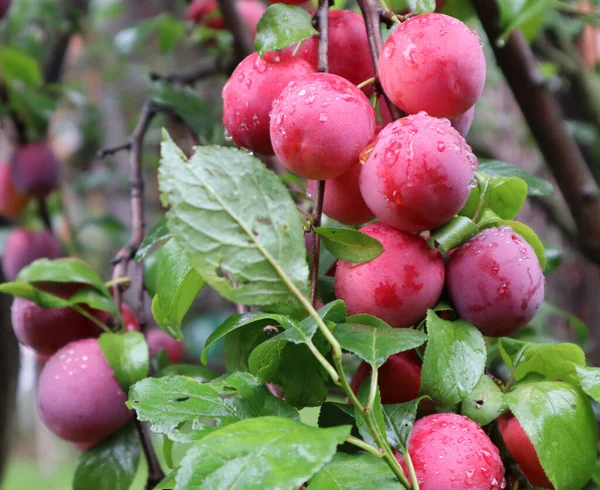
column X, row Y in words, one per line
column 12, row 202
column 399, row 378
column 159, row 339
column 451, row 451
column 343, row 200
column 4, row 6
column 249, row 94
column 419, row 173
column 320, row 124
column 521, row 448
column 78, row 397
column 349, row 55
column 207, row 12
column 506, row 282
column 35, row 170
column 46, row 330
column 420, row 68
column 399, row 285
column 24, row 246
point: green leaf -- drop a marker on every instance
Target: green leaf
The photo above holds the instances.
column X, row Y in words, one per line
column 17, row 66
column 354, row 472
column 454, row 360
column 399, row 421
column 170, row 32
column 238, row 223
column 168, row 402
column 186, row 103
column 350, row 245
column 304, row 331
column 281, row 26
column 505, row 196
column 364, row 319
column 158, row 234
column 578, row 326
column 536, row 186
column 485, row 403
column 178, row 285
column 560, row 422
column 127, row 355
column 552, row 361
column 425, row 6
column 248, row 455
column 199, row 373
column 589, row 379
column 376, row 344
column 529, row 17
column 62, row 270
column 168, row 482
column 238, row 321
column 240, row 343
column 111, row 464
column 454, row 233
column 554, row 258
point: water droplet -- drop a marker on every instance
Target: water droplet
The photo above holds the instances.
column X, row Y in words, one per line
column 441, row 146
column 322, row 117
column 227, row 136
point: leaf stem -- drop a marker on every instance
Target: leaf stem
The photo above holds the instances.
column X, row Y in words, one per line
column 118, row 280
column 366, row 82
column 373, row 389
column 363, row 445
column 91, row 317
column 411, row 469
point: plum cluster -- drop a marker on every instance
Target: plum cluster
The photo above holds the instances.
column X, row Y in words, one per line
column 412, row 176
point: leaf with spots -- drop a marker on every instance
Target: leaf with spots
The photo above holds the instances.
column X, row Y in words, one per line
column 237, row 223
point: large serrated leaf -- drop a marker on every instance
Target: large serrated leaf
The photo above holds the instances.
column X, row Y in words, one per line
column 454, row 360
column 354, row 472
column 260, row 453
column 558, row 419
column 237, row 222
column 177, row 285
column 282, row 25
column 111, row 464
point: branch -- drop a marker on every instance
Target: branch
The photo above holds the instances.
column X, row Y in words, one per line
column 203, row 69
column 544, row 119
column 371, row 12
column 242, row 40
column 322, row 22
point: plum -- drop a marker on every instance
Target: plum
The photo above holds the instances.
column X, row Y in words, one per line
column 320, row 124
column 422, row 69
column 207, row 12
column 418, row 174
column 451, row 451
column 12, row 202
column 496, row 282
column 79, row 398
column 159, row 339
column 399, row 285
column 249, row 94
column 35, row 170
column 25, row 246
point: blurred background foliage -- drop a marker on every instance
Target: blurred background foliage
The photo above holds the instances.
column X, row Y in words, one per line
column 117, row 44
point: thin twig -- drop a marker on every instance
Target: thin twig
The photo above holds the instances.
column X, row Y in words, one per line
column 242, row 40
column 155, row 472
column 544, row 119
column 204, row 68
column 371, row 12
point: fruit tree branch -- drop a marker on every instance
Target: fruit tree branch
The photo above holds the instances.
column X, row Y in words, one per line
column 242, row 40
column 203, row 69
column 371, row 12
column 544, row 119
column 322, row 22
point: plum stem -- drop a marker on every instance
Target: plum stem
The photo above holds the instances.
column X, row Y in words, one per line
column 373, row 389
column 363, row 445
column 411, row 469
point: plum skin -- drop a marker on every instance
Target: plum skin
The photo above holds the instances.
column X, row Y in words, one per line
column 249, row 93
column 25, row 246
column 35, row 170
column 12, row 202
column 320, row 124
column 495, row 281
column 521, row 448
column 349, row 55
column 399, row 285
column 399, row 378
column 420, row 68
column 47, row 330
column 79, row 398
column 419, row 174
column 343, row 201
column 159, row 339
column 451, row 451
column 207, row 12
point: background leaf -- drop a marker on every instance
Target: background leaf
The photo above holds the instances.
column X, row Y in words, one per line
column 237, row 221
column 350, row 245
column 536, row 186
column 248, row 455
column 159, row 233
